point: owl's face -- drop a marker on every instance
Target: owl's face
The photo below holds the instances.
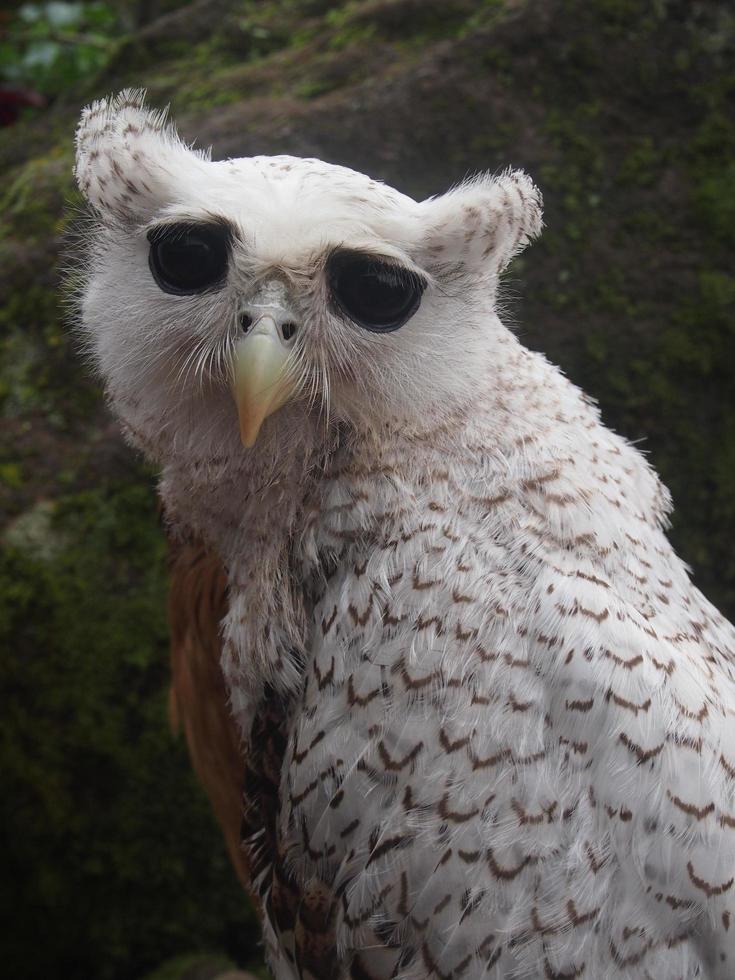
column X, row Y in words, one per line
column 228, row 304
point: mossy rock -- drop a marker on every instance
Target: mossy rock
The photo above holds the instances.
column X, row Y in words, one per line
column 113, row 844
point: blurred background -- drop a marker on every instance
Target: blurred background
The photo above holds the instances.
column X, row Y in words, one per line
column 624, row 113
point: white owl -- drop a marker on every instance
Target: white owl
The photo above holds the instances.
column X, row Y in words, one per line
column 487, row 717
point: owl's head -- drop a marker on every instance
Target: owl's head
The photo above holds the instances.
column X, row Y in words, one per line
column 229, row 303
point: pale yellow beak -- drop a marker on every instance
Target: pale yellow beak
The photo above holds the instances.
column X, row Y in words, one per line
column 260, row 382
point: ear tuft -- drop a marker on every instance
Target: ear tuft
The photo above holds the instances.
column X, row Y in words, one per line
column 483, row 223
column 127, row 156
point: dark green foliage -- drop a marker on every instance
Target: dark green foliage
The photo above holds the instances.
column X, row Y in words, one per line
column 52, row 45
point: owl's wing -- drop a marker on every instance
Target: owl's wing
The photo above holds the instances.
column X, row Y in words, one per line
column 198, row 699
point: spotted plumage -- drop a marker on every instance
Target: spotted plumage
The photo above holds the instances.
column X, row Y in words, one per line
column 486, row 717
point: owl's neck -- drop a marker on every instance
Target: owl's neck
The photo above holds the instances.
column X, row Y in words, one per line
column 278, row 516
column 249, row 510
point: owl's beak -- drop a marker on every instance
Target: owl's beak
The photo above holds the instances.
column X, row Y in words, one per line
column 260, row 381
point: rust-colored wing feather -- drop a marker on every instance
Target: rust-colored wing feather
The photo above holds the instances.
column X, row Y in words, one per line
column 198, row 704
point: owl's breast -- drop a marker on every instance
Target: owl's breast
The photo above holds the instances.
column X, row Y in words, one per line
column 417, row 698
column 476, row 762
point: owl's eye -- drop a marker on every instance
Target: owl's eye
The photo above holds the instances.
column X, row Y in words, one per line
column 375, row 294
column 188, row 259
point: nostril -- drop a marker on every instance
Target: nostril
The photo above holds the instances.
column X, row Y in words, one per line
column 288, row 330
column 246, row 322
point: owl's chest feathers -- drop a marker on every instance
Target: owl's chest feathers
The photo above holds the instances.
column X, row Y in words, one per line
column 421, row 534
column 458, row 634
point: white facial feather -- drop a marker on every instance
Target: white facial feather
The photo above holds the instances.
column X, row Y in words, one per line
column 165, row 358
column 508, row 739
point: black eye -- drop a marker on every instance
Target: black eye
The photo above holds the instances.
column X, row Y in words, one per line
column 375, row 294
column 186, row 259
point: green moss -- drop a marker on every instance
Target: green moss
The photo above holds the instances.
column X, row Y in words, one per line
column 715, row 203
column 406, row 24
column 345, row 33
column 40, row 372
column 113, row 842
column 643, row 163
column 33, row 204
column 191, row 967
column 11, row 474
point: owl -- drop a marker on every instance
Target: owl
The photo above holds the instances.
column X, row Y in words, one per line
column 484, row 719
